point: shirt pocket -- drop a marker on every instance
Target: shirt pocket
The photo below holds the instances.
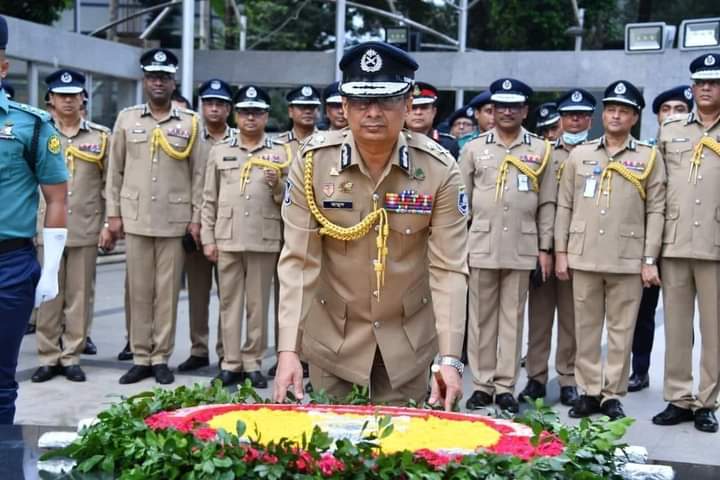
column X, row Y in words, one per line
column 576, row 237
column 418, row 321
column 272, row 222
column 678, row 154
column 407, row 234
column 480, row 236
column 230, row 173
column 129, row 199
column 631, row 242
column 327, row 319
column 224, row 223
column 342, row 217
column 671, row 222
column 485, row 176
column 179, row 208
column 528, row 242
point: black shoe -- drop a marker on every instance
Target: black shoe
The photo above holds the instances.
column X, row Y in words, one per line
column 257, row 379
column 74, row 373
column 273, row 370
column 193, row 363
column 30, row 329
column 163, row 375
column 230, row 378
column 568, row 396
column 705, row 420
column 135, row 374
column 585, row 405
column 126, row 353
column 90, row 347
column 532, row 391
column 672, row 415
column 45, row 373
column 507, row 402
column 479, row 399
column 638, row 382
column 613, row 409
column 306, row 369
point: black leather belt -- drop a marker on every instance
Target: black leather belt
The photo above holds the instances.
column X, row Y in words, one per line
column 14, row 244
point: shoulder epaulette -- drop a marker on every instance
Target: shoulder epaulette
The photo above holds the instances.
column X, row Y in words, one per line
column 269, row 142
column 446, row 135
column 133, row 107
column 41, row 114
column 430, row 146
column 98, row 127
column 318, row 140
column 674, row 118
column 187, row 111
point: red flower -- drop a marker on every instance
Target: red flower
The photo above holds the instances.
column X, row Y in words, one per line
column 435, row 459
column 521, row 447
column 205, row 434
column 304, row 462
column 269, row 458
column 251, row 454
column 328, row 464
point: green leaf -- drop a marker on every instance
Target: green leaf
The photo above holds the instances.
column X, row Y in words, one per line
column 224, row 462
column 240, row 428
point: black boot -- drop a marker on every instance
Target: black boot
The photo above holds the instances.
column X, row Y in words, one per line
column 90, row 347
column 126, row 353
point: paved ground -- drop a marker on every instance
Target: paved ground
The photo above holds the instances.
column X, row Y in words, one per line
column 62, row 403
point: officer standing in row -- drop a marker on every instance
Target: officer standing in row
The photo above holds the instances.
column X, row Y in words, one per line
column 31, row 157
column 575, row 108
column 303, row 105
column 374, row 305
column 154, row 188
column 216, row 104
column 676, row 101
column 333, row 107
column 242, row 231
column 423, row 114
column 547, row 121
column 608, row 230
column 691, row 252
column 62, row 323
column 462, row 122
column 481, row 109
column 511, row 201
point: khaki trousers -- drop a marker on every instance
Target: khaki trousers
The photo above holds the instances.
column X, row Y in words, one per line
column 613, row 298
column 380, row 389
column 497, row 309
column 245, row 279
column 199, row 284
column 543, row 301
column 154, row 269
column 683, row 280
column 127, row 301
column 68, row 315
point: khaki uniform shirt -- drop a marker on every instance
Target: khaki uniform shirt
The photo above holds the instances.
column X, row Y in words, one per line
column 692, row 219
column 238, row 221
column 294, row 142
column 156, row 195
column 86, row 186
column 507, row 232
column 328, row 286
column 609, row 238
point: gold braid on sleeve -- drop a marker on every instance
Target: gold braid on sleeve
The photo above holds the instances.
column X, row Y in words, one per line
column 72, row 153
column 354, row 232
column 525, row 169
column 159, row 140
column 259, row 162
column 632, row 177
column 706, row 142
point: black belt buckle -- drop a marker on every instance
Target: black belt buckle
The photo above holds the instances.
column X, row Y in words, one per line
column 12, row 244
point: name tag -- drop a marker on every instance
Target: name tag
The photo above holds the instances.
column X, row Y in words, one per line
column 679, row 140
column 229, row 159
column 337, row 204
column 590, row 162
column 590, row 186
column 138, row 130
column 523, row 185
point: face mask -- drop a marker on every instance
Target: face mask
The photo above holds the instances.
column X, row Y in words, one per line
column 575, row 138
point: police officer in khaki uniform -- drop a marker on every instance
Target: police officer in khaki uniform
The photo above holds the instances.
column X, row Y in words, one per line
column 575, row 108
column 303, row 105
column 374, row 305
column 512, row 216
column 333, row 107
column 153, row 196
column 691, row 251
column 241, row 231
column 547, row 121
column 608, row 230
column 62, row 323
column 423, row 114
column 216, row 99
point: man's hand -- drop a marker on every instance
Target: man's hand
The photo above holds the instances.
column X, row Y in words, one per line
column 271, row 176
column 561, row 266
column 211, row 252
column 446, row 386
column 115, row 225
column 106, row 240
column 546, row 265
column 289, row 373
column 650, row 276
column 194, row 230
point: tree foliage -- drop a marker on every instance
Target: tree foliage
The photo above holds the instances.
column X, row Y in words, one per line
column 39, row 11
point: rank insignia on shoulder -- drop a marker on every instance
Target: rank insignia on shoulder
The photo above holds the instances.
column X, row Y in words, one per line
column 337, row 204
column 288, row 187
column 345, row 156
column 54, row 146
column 409, row 201
column 6, row 131
column 462, row 201
column 404, row 158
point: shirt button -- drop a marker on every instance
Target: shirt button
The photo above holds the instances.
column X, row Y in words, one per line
column 69, row 194
column 506, row 208
column 375, row 293
column 154, row 160
column 154, row 179
column 632, row 234
column 247, row 197
column 424, row 300
column 602, row 232
column 247, row 214
column 603, row 211
column 697, row 201
column 699, row 177
column 696, row 223
column 505, row 229
column 507, row 151
column 376, row 324
column 322, row 301
column 70, row 211
column 69, row 140
column 408, row 231
column 376, row 197
column 153, row 198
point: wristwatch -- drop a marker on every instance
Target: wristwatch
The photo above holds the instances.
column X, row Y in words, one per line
column 453, row 362
column 649, row 260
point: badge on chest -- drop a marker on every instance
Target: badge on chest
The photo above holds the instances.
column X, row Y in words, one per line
column 409, row 201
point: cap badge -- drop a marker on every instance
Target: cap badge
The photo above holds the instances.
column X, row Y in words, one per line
column 160, row 57
column 416, row 91
column 544, row 112
column 576, row 97
column 507, row 85
column 251, row 92
column 688, row 93
column 306, row 91
column 469, row 112
column 620, row 88
column 709, row 61
column 66, row 78
column 371, row 61
column 215, row 85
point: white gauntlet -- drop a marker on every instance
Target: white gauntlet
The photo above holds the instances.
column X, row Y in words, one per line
column 53, row 246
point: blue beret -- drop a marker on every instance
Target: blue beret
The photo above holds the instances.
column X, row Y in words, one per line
column 463, row 112
column 547, row 114
column 624, row 92
column 252, row 96
column 303, row 95
column 65, row 81
column 576, row 100
column 215, row 88
column 376, row 69
column 509, row 90
column 682, row 93
column 706, row 67
column 159, row 60
column 331, row 93
column 3, row 33
column 480, row 99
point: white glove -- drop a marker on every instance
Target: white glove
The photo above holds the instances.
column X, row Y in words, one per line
column 53, row 246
